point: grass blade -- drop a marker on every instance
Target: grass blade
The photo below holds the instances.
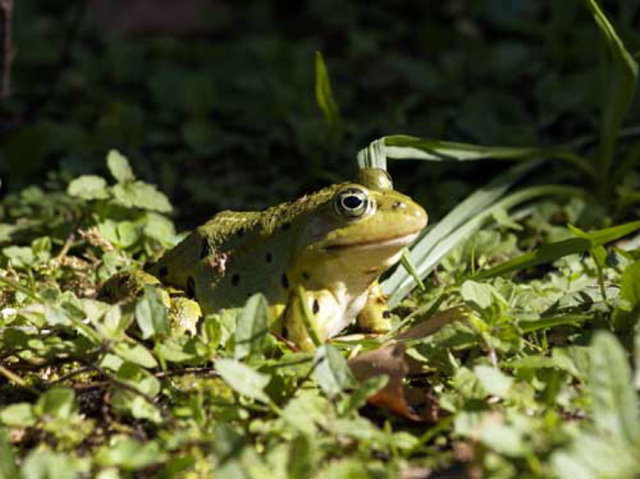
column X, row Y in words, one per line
column 403, row 146
column 324, row 95
column 465, row 218
column 552, row 251
column 621, row 87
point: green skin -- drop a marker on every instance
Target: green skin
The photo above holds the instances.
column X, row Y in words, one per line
column 323, row 253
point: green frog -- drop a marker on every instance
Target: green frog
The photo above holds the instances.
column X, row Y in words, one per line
column 317, row 259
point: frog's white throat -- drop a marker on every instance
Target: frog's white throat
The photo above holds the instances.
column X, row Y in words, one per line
column 350, row 295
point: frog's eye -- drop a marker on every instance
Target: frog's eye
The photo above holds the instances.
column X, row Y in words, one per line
column 352, row 202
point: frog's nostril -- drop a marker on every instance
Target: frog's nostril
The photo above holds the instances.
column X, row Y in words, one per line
column 398, row 204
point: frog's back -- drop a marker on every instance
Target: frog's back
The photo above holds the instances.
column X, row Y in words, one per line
column 236, row 254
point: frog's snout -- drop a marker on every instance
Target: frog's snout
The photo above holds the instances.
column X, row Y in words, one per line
column 419, row 216
column 415, row 217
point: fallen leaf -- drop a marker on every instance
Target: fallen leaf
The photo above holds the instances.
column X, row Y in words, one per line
column 390, row 360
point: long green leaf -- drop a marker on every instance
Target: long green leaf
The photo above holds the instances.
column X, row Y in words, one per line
column 324, row 96
column 462, row 221
column 552, row 251
column 621, row 87
column 400, row 282
column 403, row 146
column 400, row 147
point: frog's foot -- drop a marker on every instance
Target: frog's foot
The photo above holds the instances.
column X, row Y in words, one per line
column 184, row 315
column 374, row 316
column 125, row 286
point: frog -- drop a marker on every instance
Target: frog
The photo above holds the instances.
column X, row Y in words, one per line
column 317, row 260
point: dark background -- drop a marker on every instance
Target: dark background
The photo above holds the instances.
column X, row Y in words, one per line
column 213, row 101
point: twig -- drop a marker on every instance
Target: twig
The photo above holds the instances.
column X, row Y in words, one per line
column 71, row 374
column 128, row 387
column 7, row 53
column 67, row 245
column 15, row 379
column 194, row 370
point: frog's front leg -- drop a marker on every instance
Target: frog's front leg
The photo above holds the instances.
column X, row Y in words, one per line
column 323, row 310
column 374, row 317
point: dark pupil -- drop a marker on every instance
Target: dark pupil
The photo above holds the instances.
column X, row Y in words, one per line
column 352, row 202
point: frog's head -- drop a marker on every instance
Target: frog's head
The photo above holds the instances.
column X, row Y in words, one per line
column 359, row 231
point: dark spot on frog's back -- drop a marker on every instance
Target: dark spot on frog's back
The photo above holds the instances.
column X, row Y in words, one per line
column 205, row 249
column 284, row 281
column 268, row 257
column 306, row 276
column 285, row 226
column 191, row 287
column 316, row 306
column 386, row 314
column 235, row 279
column 163, row 272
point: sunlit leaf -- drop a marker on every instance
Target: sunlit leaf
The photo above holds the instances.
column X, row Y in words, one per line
column 324, row 96
column 243, row 379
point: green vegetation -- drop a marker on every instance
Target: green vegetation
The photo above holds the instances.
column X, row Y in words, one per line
column 519, row 355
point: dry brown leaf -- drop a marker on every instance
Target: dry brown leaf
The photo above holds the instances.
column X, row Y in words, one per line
column 390, row 360
column 434, row 323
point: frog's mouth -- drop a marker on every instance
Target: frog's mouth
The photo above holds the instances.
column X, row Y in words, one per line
column 398, row 241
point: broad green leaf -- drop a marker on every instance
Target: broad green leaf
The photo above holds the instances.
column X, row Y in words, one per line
column 19, row 256
column 127, row 400
column 175, row 349
column 152, row 314
column 324, row 96
column 622, row 84
column 45, row 464
column 332, row 371
column 595, row 457
column 630, row 286
column 119, row 167
column 614, row 401
column 135, row 353
column 8, row 468
column 130, row 454
column 127, row 234
column 243, row 379
column 307, row 412
column 20, row 414
column 479, row 293
column 493, row 381
column 141, row 195
column 503, row 439
column 251, row 327
column 89, row 187
column 56, row 402
column 141, row 379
